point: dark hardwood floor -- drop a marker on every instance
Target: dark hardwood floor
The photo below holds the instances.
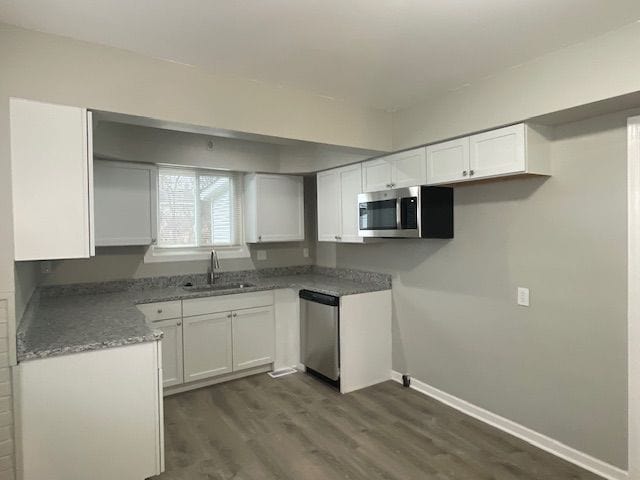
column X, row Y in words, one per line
column 295, row 427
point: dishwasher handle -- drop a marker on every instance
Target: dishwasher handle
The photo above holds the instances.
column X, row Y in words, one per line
column 318, row 297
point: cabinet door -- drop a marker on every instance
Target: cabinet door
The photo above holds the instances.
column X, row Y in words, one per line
column 124, row 203
column 253, row 337
column 376, row 175
column 280, row 208
column 497, row 152
column 51, row 179
column 408, row 168
column 448, row 161
column 328, row 186
column 350, row 187
column 171, row 351
column 207, row 346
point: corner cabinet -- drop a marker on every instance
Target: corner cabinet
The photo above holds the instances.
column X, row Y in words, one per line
column 337, row 192
column 52, row 180
column 402, row 169
column 125, row 203
column 274, row 208
column 520, row 149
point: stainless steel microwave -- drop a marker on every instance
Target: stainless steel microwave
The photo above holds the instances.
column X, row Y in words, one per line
column 412, row 212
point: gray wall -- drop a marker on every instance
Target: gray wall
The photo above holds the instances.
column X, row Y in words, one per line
column 559, row 366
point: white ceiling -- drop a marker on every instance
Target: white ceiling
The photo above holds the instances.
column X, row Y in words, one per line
column 381, row 53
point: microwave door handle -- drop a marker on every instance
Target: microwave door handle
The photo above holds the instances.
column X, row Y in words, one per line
column 398, row 213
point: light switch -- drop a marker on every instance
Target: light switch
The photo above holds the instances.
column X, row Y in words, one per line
column 523, row 296
column 261, row 254
column 305, row 252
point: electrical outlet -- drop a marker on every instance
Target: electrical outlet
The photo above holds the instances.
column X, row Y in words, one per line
column 46, row 266
column 261, row 254
column 305, row 252
column 523, row 296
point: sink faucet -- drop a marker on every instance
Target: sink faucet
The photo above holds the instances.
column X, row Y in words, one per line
column 214, row 263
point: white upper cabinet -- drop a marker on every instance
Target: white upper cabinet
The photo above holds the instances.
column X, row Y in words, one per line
column 274, row 208
column 350, row 187
column 514, row 150
column 338, row 191
column 448, row 161
column 402, row 169
column 376, row 175
column 52, row 181
column 125, row 203
column 497, row 152
column 328, row 194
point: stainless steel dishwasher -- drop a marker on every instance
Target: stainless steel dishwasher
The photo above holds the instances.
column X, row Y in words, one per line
column 320, row 335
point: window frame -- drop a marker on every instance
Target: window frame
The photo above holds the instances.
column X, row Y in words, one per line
column 159, row 254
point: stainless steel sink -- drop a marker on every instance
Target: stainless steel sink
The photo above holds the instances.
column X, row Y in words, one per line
column 217, row 287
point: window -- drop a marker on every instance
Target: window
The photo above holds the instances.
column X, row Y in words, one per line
column 198, row 208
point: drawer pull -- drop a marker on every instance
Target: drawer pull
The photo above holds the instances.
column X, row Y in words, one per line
column 159, row 310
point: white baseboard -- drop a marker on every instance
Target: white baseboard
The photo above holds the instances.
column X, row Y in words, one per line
column 539, row 440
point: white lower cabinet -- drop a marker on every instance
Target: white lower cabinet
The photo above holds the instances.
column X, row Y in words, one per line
column 171, row 351
column 207, row 346
column 91, row 415
column 208, row 337
column 253, row 337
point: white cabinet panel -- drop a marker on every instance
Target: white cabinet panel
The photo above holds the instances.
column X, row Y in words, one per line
column 253, row 337
column 376, row 175
column 51, row 179
column 409, row 168
column 207, row 346
column 338, row 191
column 161, row 310
column 91, row 415
column 226, row 303
column 274, row 208
column 171, row 351
column 398, row 170
column 125, row 203
column 498, row 152
column 448, row 161
column 350, row 187
column 328, row 194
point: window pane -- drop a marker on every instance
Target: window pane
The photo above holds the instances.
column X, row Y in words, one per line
column 176, row 208
column 198, row 208
column 215, row 210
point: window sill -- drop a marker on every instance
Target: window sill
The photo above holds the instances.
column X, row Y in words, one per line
column 159, row 255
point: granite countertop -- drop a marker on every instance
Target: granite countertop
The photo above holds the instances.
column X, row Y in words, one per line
column 76, row 318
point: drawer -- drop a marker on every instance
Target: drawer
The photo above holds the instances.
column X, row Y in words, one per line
column 225, row 303
column 161, row 310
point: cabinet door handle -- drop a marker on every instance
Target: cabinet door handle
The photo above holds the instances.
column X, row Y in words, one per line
column 159, row 310
column 259, row 238
column 471, row 172
column 229, row 316
column 464, row 173
column 179, row 323
column 235, row 314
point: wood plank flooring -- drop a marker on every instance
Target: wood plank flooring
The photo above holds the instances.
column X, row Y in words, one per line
column 294, row 427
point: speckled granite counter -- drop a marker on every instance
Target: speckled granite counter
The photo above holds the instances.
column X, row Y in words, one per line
column 68, row 319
